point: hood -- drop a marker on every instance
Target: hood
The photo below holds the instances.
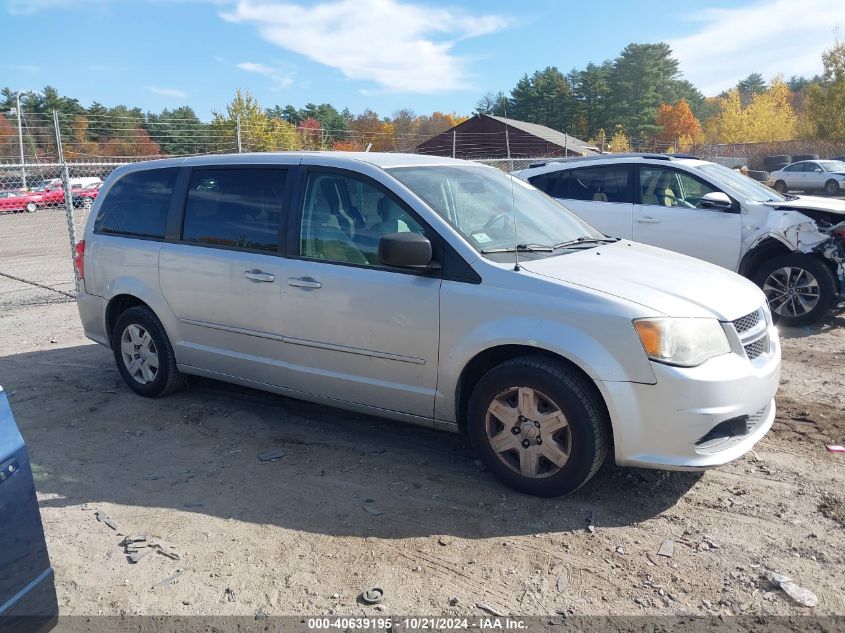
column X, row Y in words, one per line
column 813, row 203
column 668, row 283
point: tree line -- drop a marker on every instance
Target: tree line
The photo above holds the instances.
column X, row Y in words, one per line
column 641, row 94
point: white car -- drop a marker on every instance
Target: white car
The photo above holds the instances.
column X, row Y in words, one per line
column 433, row 291
column 810, row 175
column 792, row 247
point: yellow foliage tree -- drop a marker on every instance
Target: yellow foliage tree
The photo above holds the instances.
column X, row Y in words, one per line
column 259, row 133
column 826, row 101
column 768, row 117
column 619, row 141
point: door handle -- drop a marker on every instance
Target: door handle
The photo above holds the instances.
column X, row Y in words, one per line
column 259, row 275
column 648, row 220
column 304, row 282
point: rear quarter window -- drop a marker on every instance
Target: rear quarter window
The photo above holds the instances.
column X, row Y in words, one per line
column 137, row 204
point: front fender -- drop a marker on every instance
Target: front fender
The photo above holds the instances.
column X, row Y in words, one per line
column 617, row 356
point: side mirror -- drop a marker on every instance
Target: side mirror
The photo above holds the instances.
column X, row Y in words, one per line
column 405, row 250
column 716, row 200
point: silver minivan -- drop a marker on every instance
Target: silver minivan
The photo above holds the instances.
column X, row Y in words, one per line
column 433, row 291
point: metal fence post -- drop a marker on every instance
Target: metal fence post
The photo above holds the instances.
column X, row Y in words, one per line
column 20, row 142
column 71, row 228
column 239, row 133
column 454, row 142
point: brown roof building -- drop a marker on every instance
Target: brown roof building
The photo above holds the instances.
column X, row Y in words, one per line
column 487, row 136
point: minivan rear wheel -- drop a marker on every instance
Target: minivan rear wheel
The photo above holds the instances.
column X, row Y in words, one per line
column 143, row 353
column 538, row 426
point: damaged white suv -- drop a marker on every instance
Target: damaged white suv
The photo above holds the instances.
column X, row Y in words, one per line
column 793, row 247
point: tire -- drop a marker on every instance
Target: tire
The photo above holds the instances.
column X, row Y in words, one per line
column 578, row 438
column 798, row 157
column 777, row 159
column 759, row 176
column 780, row 187
column 831, row 188
column 31, row 207
column 797, row 271
column 130, row 330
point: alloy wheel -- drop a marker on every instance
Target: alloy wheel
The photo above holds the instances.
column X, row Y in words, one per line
column 139, row 354
column 791, row 291
column 528, row 432
column 831, row 188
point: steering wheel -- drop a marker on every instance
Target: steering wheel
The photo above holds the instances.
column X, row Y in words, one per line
column 683, row 203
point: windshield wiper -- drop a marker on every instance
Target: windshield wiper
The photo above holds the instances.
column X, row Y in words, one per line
column 520, row 248
column 587, row 240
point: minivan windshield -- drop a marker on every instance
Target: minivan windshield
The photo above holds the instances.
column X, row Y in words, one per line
column 496, row 212
column 743, row 185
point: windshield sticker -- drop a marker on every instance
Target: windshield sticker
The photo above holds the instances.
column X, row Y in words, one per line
column 481, row 238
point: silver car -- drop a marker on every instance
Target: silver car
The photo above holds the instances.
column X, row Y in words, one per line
column 810, row 175
column 432, row 291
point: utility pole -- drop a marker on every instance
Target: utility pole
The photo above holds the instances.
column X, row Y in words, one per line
column 239, row 133
column 20, row 141
column 508, row 147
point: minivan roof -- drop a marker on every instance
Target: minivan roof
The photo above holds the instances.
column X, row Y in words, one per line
column 379, row 159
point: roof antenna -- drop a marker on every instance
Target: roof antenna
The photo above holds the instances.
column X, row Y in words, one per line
column 516, row 266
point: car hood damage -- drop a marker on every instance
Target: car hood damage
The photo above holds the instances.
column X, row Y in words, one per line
column 810, row 224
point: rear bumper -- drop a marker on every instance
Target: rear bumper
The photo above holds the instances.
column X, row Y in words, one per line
column 694, row 418
column 33, row 610
column 92, row 312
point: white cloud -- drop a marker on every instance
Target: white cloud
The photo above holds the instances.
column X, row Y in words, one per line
column 168, row 92
column 769, row 37
column 399, row 46
column 282, row 79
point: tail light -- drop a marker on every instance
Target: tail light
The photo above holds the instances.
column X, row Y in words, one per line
column 79, row 259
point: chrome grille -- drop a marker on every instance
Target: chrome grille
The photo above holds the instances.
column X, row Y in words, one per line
column 758, row 347
column 743, row 324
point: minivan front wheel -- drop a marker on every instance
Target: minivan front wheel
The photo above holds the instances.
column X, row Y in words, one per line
column 143, row 353
column 538, row 426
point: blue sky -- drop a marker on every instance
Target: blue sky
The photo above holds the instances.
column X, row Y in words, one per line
column 383, row 54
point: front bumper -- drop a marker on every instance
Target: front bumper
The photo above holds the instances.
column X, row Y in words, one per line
column 672, row 424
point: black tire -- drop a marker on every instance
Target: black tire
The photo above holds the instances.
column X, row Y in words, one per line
column 817, row 269
column 798, row 157
column 760, row 176
column 167, row 377
column 777, row 159
column 570, row 392
column 831, row 188
column 780, row 187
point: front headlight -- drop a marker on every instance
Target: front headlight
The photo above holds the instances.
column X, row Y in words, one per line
column 684, row 342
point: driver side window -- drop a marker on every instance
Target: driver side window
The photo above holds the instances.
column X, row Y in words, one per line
column 670, row 188
column 344, row 217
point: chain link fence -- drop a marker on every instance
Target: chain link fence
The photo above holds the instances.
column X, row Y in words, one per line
column 52, row 163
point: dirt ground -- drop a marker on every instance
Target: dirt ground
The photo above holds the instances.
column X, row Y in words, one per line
column 356, row 501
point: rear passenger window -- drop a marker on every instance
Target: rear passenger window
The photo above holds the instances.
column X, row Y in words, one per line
column 137, row 204
column 240, row 208
column 553, row 183
column 600, row 184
